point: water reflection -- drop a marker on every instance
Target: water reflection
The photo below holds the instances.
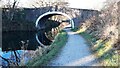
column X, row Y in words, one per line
column 16, row 46
column 9, row 58
column 42, row 39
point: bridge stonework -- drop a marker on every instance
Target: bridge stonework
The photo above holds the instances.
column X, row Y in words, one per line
column 78, row 15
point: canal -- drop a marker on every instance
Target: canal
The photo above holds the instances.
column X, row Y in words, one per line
column 18, row 45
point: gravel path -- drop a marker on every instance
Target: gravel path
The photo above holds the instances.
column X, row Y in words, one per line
column 75, row 53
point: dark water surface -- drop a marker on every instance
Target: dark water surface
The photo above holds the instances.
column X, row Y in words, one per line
column 14, row 40
column 18, row 42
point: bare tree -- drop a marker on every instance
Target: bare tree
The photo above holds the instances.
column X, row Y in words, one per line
column 11, row 9
column 42, row 3
column 109, row 4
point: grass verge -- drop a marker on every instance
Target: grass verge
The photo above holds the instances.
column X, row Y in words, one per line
column 59, row 42
column 102, row 49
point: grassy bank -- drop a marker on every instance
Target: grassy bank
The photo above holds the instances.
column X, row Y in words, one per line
column 102, row 49
column 55, row 47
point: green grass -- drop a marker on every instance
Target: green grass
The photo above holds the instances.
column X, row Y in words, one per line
column 59, row 42
column 102, row 49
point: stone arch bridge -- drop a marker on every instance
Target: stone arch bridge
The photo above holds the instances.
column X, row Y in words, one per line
column 75, row 15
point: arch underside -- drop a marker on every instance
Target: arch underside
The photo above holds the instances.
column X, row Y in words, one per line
column 49, row 14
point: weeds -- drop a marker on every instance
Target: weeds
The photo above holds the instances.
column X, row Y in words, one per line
column 59, row 42
column 102, row 49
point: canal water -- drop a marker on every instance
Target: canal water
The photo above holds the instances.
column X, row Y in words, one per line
column 17, row 44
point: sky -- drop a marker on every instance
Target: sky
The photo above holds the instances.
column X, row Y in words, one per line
column 87, row 4
column 82, row 4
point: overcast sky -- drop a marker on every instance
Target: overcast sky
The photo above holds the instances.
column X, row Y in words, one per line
column 83, row 4
column 87, row 4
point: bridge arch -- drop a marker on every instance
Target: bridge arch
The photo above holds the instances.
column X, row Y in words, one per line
column 54, row 13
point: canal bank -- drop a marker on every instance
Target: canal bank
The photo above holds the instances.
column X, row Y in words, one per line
column 101, row 48
column 51, row 51
column 75, row 53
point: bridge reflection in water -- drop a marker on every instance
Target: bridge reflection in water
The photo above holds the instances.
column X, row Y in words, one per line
column 15, row 43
